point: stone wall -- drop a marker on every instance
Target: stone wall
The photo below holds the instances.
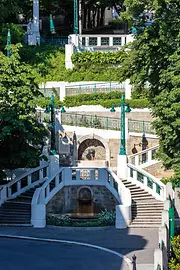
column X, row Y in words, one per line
column 66, row 200
column 158, row 171
column 134, row 114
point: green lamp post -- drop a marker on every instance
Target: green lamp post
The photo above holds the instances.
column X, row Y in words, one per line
column 76, row 28
column 8, row 43
column 51, row 109
column 52, row 28
column 124, row 109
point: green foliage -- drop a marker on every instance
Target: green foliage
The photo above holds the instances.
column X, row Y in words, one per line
column 17, row 34
column 21, row 136
column 154, row 57
column 174, row 263
column 57, row 220
column 104, row 99
column 93, row 58
column 91, row 99
column 105, row 218
column 45, row 101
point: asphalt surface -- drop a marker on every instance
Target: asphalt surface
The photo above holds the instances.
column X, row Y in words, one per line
column 28, row 255
column 141, row 241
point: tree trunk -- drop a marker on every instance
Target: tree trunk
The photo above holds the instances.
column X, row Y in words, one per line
column 98, row 17
column 89, row 18
column 102, row 16
column 84, row 17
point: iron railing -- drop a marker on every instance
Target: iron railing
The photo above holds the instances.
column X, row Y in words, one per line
column 140, row 126
column 73, row 90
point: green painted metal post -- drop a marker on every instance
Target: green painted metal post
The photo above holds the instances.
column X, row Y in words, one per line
column 171, row 223
column 8, row 43
column 76, row 28
column 123, row 139
column 52, row 28
column 53, row 139
column 124, row 108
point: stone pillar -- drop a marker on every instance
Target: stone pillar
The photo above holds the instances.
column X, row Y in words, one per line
column 128, row 88
column 69, row 50
column 54, row 165
column 122, row 169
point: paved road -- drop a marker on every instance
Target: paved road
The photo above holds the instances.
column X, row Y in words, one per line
column 141, row 241
column 28, row 255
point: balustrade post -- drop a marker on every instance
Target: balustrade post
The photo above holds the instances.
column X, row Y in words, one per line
column 9, row 192
column 29, row 179
column 57, row 180
column 47, row 190
column 18, row 186
column 149, row 156
column 40, row 174
column 137, row 160
column 110, row 41
column 154, row 187
column 98, row 41
column 78, row 175
column 135, row 176
column 92, row 176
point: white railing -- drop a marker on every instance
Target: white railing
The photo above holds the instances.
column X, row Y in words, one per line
column 23, row 183
column 144, row 158
column 103, row 40
column 76, row 176
column 147, row 182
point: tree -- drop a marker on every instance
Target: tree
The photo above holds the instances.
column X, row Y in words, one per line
column 153, row 62
column 21, row 135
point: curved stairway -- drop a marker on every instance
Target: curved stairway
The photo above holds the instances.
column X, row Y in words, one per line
column 146, row 210
column 17, row 211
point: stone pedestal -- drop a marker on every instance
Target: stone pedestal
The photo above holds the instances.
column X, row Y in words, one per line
column 122, row 169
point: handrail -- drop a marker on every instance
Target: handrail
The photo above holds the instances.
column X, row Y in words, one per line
column 153, row 178
column 159, row 190
column 16, row 186
column 25, row 174
column 126, row 194
column 144, row 151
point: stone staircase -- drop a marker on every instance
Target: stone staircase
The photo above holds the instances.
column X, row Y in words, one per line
column 146, row 210
column 17, row 211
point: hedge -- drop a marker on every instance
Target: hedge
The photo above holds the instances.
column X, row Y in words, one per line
column 104, row 99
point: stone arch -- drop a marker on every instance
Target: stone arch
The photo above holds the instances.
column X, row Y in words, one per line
column 92, row 138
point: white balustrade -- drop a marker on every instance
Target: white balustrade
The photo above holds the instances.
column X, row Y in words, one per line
column 147, row 181
column 21, row 184
column 79, row 176
column 144, row 158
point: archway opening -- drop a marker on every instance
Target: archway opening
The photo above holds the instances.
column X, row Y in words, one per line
column 91, row 149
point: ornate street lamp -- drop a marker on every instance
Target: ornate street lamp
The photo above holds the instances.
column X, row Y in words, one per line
column 122, row 158
column 51, row 109
column 8, row 43
column 124, row 109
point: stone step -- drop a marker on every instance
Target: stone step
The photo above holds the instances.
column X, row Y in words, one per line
column 144, row 225
column 141, row 196
column 13, row 221
column 147, row 218
column 14, row 214
column 138, row 190
column 147, row 204
column 130, row 185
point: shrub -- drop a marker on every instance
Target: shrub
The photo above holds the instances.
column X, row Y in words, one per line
column 57, row 220
column 174, row 263
column 107, row 218
column 106, row 100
